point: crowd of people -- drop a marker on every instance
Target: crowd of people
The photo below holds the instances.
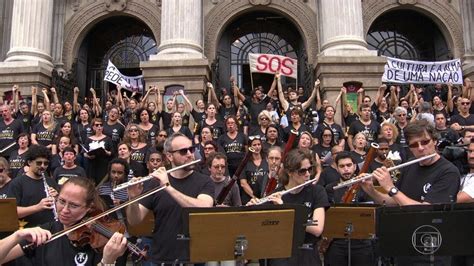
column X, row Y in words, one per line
column 62, row 160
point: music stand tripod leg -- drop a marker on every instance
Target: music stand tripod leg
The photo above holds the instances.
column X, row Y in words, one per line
column 348, row 232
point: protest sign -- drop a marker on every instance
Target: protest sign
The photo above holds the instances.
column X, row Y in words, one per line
column 113, row 75
column 269, row 63
column 420, row 72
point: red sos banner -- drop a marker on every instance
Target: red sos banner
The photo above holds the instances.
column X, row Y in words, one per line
column 270, row 63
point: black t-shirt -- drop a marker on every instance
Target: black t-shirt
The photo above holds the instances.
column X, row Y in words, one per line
column 61, row 252
column 17, row 161
column 463, row 121
column 198, row 116
column 83, row 132
column 322, row 152
column 43, row 136
column 4, row 190
column 169, row 214
column 255, row 176
column 311, row 196
column 8, row 135
column 256, row 108
column 217, row 129
column 437, row 183
column 233, row 148
column 166, row 119
column 155, row 119
column 25, row 120
column 139, row 155
column 225, row 112
column 358, row 157
column 371, row 131
column 28, row 192
column 151, row 134
column 61, row 174
column 328, row 175
column 183, row 130
column 115, row 133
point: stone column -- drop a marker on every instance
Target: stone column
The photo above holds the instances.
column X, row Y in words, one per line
column 181, row 29
column 342, row 28
column 31, row 31
column 467, row 15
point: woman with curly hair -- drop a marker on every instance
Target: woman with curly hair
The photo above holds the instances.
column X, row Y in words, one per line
column 135, row 138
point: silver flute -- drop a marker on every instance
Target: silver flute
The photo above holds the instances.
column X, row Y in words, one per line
column 146, row 178
column 46, row 190
column 367, row 176
column 267, row 198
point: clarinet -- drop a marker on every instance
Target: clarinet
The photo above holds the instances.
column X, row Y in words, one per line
column 46, row 190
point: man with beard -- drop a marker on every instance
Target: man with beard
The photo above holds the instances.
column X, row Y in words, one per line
column 361, row 250
column 186, row 188
column 33, row 204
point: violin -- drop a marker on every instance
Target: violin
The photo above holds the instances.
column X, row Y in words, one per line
column 97, row 233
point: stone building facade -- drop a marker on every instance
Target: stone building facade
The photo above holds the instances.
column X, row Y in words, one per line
column 189, row 42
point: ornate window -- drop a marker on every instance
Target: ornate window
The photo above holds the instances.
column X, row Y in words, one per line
column 259, row 43
column 407, row 34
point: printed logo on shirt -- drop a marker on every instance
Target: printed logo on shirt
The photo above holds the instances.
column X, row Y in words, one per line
column 426, row 187
column 81, row 258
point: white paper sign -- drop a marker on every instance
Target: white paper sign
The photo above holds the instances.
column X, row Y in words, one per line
column 270, row 63
column 420, row 72
column 113, row 75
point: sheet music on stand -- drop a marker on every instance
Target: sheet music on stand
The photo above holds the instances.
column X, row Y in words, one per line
column 241, row 233
column 8, row 212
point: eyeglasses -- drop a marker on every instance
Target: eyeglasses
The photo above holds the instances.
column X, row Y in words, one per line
column 255, row 137
column 401, row 115
column 72, row 206
column 264, row 118
column 465, row 103
column 98, row 125
column 185, row 151
column 1, row 170
column 39, row 163
column 162, row 135
column 132, row 130
column 303, row 171
column 418, row 143
column 219, row 166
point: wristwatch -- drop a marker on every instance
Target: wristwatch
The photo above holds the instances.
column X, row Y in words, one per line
column 393, row 191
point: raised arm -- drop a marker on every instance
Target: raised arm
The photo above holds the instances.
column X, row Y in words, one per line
column 345, row 112
column 380, row 92
column 188, row 106
column 34, row 100
column 16, row 98
column 120, row 101
column 450, row 102
column 360, row 96
column 314, row 94
column 272, row 88
column 144, row 101
column 212, row 95
column 281, row 96
column 75, row 103
column 237, row 93
column 394, row 93
column 55, row 95
column 47, row 104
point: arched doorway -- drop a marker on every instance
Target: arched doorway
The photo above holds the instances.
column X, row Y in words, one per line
column 257, row 32
column 123, row 40
column 408, row 34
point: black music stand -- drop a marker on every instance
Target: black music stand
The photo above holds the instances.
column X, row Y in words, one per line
column 239, row 233
column 8, row 212
column 425, row 230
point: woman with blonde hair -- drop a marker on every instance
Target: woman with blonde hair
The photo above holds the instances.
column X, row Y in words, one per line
column 135, row 138
column 5, row 177
column 44, row 132
column 264, row 120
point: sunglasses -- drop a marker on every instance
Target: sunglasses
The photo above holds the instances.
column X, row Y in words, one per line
column 184, row 151
column 401, row 115
column 418, row 143
column 255, row 137
column 98, row 125
column 39, row 163
column 132, row 130
column 465, row 103
column 264, row 118
column 163, row 135
column 303, row 171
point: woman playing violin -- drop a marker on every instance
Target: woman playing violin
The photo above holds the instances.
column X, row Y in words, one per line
column 76, row 199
